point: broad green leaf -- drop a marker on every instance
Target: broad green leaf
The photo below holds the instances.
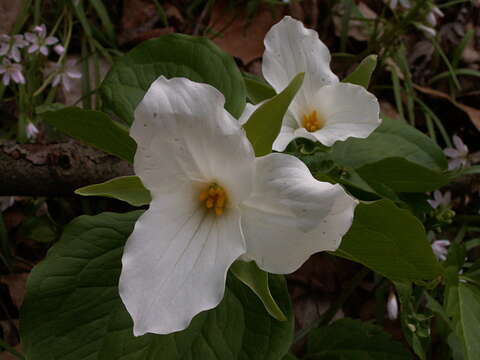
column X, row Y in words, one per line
column 264, row 125
column 173, row 55
column 390, row 241
column 257, row 281
column 363, row 73
column 463, row 306
column 349, row 339
column 125, row 188
column 391, row 139
column 94, row 128
column 72, row 310
column 401, row 175
column 258, row 91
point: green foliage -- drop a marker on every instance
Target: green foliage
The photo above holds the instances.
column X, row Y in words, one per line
column 463, row 306
column 94, row 128
column 390, row 241
column 257, row 90
column 363, row 73
column 175, row 55
column 257, row 280
column 125, row 188
column 264, row 124
column 72, row 309
column 349, row 339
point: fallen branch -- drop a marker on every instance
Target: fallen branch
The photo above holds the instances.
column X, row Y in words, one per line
column 55, row 169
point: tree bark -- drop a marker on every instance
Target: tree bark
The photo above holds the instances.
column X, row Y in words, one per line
column 55, row 169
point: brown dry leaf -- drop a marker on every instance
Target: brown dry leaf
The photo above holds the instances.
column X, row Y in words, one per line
column 16, row 286
column 389, row 110
column 240, row 37
column 473, row 114
column 356, row 29
column 9, row 10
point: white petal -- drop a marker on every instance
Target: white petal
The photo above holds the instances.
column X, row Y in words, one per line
column 289, row 131
column 349, row 111
column 461, row 147
column 452, row 153
column 455, row 164
column 175, row 262
column 290, row 48
column 51, row 40
column 291, row 216
column 248, row 111
column 184, row 133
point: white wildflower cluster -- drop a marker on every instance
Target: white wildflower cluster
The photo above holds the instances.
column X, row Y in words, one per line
column 429, row 22
column 35, row 42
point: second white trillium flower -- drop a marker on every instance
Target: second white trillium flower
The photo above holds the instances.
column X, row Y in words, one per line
column 324, row 109
column 212, row 203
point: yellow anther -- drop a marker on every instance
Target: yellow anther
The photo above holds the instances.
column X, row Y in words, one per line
column 215, row 198
column 203, row 195
column 313, row 122
column 209, row 203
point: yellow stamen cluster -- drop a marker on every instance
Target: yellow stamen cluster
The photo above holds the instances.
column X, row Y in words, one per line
column 214, row 198
column 312, row 122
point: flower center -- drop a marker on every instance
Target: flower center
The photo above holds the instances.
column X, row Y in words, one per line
column 214, row 198
column 313, row 122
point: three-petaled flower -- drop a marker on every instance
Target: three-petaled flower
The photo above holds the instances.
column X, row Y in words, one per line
column 324, row 109
column 212, row 203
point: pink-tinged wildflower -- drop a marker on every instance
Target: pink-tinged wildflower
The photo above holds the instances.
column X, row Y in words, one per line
column 39, row 40
column 11, row 71
column 458, row 155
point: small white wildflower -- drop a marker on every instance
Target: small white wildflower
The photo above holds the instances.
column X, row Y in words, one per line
column 39, row 40
column 440, row 249
column 10, row 46
column 59, row 49
column 11, row 71
column 440, row 199
column 458, row 155
column 392, row 306
column 31, row 131
column 6, row 202
column 65, row 74
column 404, row 3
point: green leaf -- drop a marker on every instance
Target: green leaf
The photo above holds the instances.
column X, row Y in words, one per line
column 173, row 55
column 264, row 125
column 463, row 306
column 125, row 188
column 349, row 339
column 402, row 175
column 390, row 241
column 72, row 310
column 257, row 90
column 257, row 281
column 391, row 139
column 363, row 73
column 94, row 128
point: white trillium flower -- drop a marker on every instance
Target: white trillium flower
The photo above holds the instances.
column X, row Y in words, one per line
column 459, row 155
column 440, row 199
column 213, row 202
column 31, row 130
column 11, row 45
column 39, row 40
column 11, row 71
column 324, row 109
column 440, row 249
